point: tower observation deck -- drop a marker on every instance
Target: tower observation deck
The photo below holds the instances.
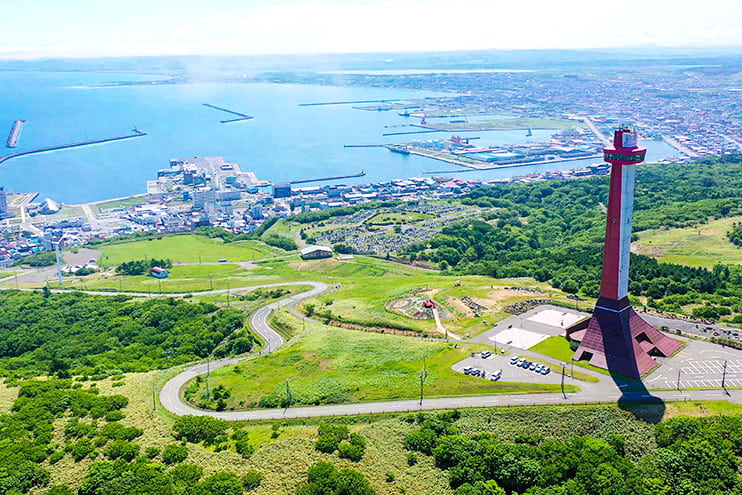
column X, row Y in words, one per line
column 617, row 338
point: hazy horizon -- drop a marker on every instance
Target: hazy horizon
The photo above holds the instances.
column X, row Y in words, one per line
column 87, row 29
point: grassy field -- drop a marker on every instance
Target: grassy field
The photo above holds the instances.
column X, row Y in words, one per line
column 397, row 217
column 328, row 365
column 185, row 249
column 506, row 124
column 121, row 203
column 558, row 348
column 703, row 245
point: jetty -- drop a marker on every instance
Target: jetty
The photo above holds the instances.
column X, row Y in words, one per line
column 345, row 102
column 410, row 132
column 240, row 116
column 15, row 134
column 137, row 133
column 336, row 177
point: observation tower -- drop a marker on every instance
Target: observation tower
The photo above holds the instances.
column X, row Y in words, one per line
column 616, row 337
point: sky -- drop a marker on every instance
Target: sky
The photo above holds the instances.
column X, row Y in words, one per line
column 94, row 28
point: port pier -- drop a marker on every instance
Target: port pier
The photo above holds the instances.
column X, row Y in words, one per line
column 137, row 133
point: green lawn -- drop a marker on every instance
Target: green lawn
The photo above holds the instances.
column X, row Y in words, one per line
column 329, row 365
column 703, row 245
column 125, row 203
column 397, row 217
column 504, row 124
column 558, row 348
column 185, row 249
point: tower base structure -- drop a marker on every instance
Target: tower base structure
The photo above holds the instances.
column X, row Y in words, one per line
column 619, row 340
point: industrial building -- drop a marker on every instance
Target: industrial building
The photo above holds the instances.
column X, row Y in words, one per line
column 316, row 252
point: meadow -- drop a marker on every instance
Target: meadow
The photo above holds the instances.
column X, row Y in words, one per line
column 185, row 249
column 326, row 365
column 703, row 245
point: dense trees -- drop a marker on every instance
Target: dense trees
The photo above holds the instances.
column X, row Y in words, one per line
column 141, row 267
column 99, row 335
column 735, row 235
column 324, row 479
column 694, row 456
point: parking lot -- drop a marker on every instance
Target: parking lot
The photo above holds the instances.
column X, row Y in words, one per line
column 699, row 365
column 510, row 373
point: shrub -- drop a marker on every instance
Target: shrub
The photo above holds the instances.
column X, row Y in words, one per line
column 329, row 437
column 121, row 449
column 251, row 480
column 222, row 483
column 151, row 452
column 174, row 453
column 197, row 429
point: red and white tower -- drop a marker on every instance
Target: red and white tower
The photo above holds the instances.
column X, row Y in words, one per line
column 617, row 338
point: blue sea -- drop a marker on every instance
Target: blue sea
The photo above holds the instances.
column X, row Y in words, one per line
column 283, row 142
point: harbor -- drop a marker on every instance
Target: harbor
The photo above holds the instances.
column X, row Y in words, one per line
column 137, row 133
column 240, row 116
column 15, row 134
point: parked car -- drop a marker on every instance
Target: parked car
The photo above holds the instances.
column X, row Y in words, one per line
column 496, row 375
column 532, row 366
column 514, row 360
column 538, row 368
column 545, row 370
column 485, row 354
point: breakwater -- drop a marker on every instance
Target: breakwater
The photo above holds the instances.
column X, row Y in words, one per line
column 137, row 133
column 336, row 177
column 240, row 116
column 343, row 102
column 15, row 134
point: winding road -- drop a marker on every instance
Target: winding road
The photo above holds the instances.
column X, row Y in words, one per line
column 170, row 394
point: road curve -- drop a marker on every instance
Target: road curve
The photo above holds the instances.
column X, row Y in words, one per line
column 171, row 399
column 170, row 393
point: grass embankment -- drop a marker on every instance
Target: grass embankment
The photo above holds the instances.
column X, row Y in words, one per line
column 703, row 245
column 327, row 365
column 185, row 249
column 558, row 347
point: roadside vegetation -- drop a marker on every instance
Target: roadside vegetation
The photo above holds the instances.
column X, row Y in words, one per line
column 322, row 365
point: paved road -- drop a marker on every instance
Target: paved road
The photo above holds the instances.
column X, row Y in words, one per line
column 590, row 393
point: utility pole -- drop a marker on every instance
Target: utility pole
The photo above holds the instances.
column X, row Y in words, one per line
column 227, row 293
column 678, row 380
column 208, row 372
column 724, row 376
column 564, row 365
column 289, row 399
column 154, row 398
column 423, row 376
column 211, row 281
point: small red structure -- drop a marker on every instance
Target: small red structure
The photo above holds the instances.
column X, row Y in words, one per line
column 616, row 337
column 429, row 304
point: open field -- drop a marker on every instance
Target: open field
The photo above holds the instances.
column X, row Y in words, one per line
column 121, row 203
column 327, row 365
column 397, row 217
column 185, row 249
column 505, row 124
column 703, row 245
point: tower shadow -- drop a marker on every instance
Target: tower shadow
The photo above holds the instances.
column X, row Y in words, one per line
column 635, row 398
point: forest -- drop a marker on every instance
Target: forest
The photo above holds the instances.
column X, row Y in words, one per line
column 553, row 231
column 694, row 456
column 76, row 334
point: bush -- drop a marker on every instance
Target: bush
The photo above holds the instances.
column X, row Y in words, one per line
column 197, row 429
column 324, row 479
column 115, row 416
column 223, row 483
column 352, row 449
column 121, row 449
column 151, row 452
column 329, row 437
column 81, row 449
column 174, row 453
column 251, row 480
